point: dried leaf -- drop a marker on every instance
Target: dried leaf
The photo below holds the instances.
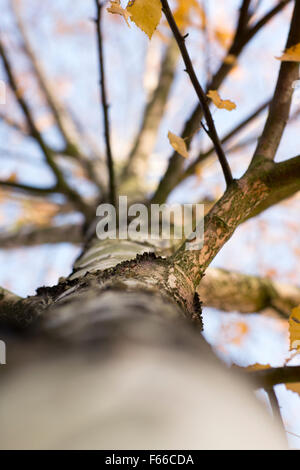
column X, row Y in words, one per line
column 178, row 144
column 230, row 59
column 291, row 55
column 221, row 104
column 293, row 387
column 116, row 9
column 257, row 367
column 294, row 328
column 13, row 178
column 146, row 14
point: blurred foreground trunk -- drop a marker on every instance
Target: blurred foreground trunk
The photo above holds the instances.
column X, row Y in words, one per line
column 112, row 363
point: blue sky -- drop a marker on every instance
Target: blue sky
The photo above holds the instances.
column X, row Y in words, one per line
column 267, row 244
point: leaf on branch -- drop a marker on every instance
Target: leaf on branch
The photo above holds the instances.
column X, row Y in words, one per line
column 185, row 10
column 178, row 144
column 291, row 55
column 146, row 14
column 13, row 178
column 257, row 367
column 293, row 387
column 221, row 104
column 116, row 9
column 294, row 327
column 230, row 59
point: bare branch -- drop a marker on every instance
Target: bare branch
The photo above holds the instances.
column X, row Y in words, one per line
column 66, row 124
column 281, row 102
column 29, row 236
column 154, row 110
column 14, row 124
column 109, row 157
column 283, row 181
column 176, row 163
column 63, row 119
column 266, row 19
column 263, row 184
column 211, row 129
column 241, row 126
column 244, row 18
column 61, row 184
column 270, row 377
column 233, row 291
column 8, row 302
column 24, row 188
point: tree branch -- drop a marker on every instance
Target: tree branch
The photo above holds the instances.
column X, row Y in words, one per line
column 268, row 378
column 61, row 184
column 63, row 120
column 8, row 302
column 69, row 233
column 109, row 157
column 252, row 31
column 241, row 126
column 211, row 129
column 176, row 163
column 263, row 184
column 30, row 189
column 154, row 110
column 244, row 18
column 63, row 117
column 233, row 291
column 283, row 181
column 281, row 102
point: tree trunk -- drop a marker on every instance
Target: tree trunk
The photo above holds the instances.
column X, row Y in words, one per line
column 112, row 362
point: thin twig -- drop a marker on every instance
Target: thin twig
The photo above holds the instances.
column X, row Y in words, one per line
column 105, row 106
column 61, row 185
column 211, row 131
column 170, row 178
column 276, row 407
column 24, row 188
column 280, row 106
column 281, row 375
column 190, row 170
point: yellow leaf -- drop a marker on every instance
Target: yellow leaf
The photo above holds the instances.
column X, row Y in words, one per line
column 291, row 55
column 293, row 387
column 221, row 104
column 257, row 367
column 178, row 144
column 186, row 9
column 116, row 9
column 223, row 36
column 146, row 14
column 13, row 178
column 230, row 59
column 294, row 327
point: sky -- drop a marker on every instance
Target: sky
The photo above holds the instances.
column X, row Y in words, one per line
column 267, row 246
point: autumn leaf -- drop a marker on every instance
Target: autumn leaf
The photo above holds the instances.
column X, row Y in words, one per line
column 257, row 367
column 221, row 104
column 146, row 14
column 293, row 387
column 230, row 59
column 178, row 144
column 116, row 9
column 13, row 178
column 187, row 8
column 291, row 55
column 294, row 328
